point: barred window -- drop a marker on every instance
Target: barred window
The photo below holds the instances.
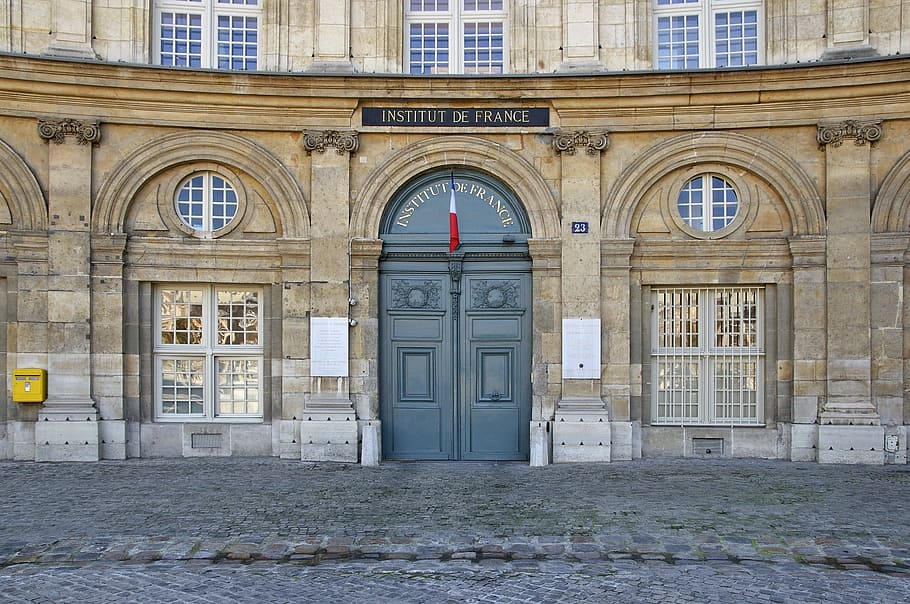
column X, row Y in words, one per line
column 208, row 353
column 222, row 34
column 708, row 33
column 707, row 355
column 455, row 36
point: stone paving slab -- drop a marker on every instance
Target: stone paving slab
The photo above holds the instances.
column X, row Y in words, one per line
column 665, row 514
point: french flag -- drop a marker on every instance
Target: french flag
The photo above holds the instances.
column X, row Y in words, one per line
column 454, row 242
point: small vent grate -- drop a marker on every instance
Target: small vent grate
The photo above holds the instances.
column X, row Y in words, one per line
column 204, row 440
column 708, row 446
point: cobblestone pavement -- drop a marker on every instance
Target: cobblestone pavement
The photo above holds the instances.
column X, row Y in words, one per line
column 224, row 530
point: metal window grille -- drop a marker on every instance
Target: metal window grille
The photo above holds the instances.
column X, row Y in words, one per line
column 708, row 355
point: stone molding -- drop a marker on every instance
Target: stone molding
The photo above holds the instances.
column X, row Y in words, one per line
column 862, row 131
column 594, row 142
column 344, row 141
column 85, row 132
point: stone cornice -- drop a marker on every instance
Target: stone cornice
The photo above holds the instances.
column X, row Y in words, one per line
column 84, row 131
column 344, row 141
column 862, row 131
column 594, row 142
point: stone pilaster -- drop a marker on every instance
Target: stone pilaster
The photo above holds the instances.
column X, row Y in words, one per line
column 850, row 428
column 365, row 345
column 546, row 381
column 847, row 32
column 329, row 429
column 615, row 283
column 67, row 428
column 808, row 368
column 332, row 37
column 581, row 429
column 108, row 349
column 71, row 37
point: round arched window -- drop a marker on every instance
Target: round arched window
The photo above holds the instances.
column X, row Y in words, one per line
column 707, row 203
column 206, row 202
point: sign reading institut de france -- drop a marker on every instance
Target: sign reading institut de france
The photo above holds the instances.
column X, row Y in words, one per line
column 472, row 117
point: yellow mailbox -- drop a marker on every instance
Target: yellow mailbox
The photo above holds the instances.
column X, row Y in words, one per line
column 29, row 385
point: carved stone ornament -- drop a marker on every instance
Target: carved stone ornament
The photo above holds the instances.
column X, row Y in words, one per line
column 57, row 130
column 317, row 140
column 423, row 295
column 593, row 142
column 494, row 294
column 862, row 131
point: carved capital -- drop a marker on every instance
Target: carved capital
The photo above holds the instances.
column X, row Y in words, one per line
column 85, row 132
column 862, row 131
column 568, row 142
column 343, row 141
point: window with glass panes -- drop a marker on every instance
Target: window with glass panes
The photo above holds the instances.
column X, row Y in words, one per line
column 206, row 202
column 455, row 36
column 707, row 203
column 208, row 352
column 220, row 34
column 707, row 355
column 708, row 33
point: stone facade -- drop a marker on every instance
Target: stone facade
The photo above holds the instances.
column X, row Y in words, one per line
column 95, row 143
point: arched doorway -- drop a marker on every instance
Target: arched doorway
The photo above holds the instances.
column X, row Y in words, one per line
column 455, row 342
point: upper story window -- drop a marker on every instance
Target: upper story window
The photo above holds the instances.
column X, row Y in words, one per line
column 455, row 36
column 708, row 33
column 222, row 34
column 206, row 202
column 707, row 203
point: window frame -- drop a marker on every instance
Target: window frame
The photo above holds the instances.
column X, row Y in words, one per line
column 456, row 17
column 168, row 200
column 209, row 351
column 706, row 11
column 705, row 356
column 209, row 11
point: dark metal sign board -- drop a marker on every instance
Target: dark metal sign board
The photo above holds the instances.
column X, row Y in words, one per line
column 470, row 117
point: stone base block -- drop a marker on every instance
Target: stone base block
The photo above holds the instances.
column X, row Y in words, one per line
column 371, row 444
column 803, row 442
column 896, row 444
column 581, row 441
column 851, row 444
column 623, row 445
column 113, row 439
column 540, row 444
column 67, row 441
column 328, row 440
column 6, row 445
column 22, row 435
column 289, row 439
column 805, row 409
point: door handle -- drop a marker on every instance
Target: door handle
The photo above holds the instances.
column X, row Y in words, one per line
column 495, row 395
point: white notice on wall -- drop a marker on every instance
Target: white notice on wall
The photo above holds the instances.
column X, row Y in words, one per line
column 329, row 346
column 581, row 348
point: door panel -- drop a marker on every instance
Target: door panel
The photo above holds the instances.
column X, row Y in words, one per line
column 455, row 384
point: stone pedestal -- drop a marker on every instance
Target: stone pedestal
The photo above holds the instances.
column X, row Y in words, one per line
column 371, row 444
column 540, row 444
column 851, row 444
column 328, row 432
column 581, row 432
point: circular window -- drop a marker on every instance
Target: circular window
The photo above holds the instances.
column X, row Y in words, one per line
column 707, row 203
column 206, row 202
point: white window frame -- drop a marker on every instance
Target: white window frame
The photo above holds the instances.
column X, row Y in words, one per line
column 705, row 10
column 209, row 11
column 210, row 352
column 208, row 203
column 690, row 343
column 456, row 17
column 711, row 210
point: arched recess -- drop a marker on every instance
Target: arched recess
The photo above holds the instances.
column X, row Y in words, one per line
column 796, row 189
column 20, row 189
column 891, row 212
column 456, row 151
column 286, row 199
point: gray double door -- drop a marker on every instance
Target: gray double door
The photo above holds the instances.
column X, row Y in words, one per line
column 455, row 359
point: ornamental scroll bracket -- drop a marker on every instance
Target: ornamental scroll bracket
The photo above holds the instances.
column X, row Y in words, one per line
column 85, row 132
column 593, row 142
column 344, row 141
column 861, row 131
